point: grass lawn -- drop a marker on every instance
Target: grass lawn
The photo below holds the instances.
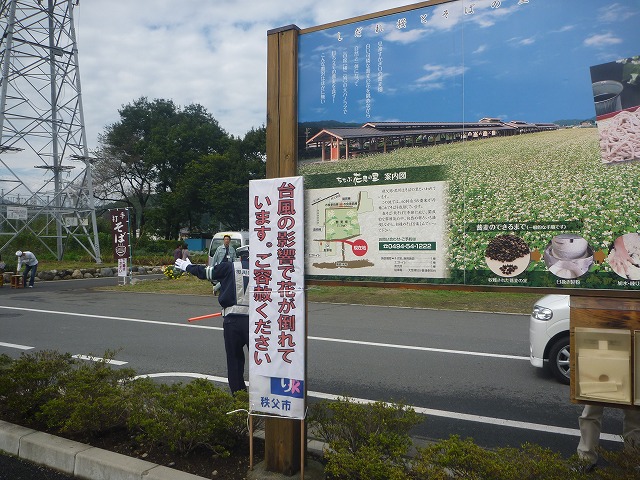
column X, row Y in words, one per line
column 437, row 299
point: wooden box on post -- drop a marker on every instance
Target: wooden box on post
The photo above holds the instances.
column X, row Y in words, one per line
column 605, row 332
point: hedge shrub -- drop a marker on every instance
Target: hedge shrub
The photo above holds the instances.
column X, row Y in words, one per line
column 26, row 385
column 94, row 398
column 366, row 441
column 187, row 416
column 88, row 398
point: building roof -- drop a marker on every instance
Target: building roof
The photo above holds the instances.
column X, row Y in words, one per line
column 430, row 125
column 393, row 129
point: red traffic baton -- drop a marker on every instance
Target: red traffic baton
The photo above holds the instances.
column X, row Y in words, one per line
column 202, row 317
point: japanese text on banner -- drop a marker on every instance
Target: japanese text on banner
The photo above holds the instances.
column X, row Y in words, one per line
column 277, row 313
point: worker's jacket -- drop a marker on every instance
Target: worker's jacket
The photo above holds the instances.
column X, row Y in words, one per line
column 234, row 285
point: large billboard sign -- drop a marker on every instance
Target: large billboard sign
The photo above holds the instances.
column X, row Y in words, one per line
column 486, row 142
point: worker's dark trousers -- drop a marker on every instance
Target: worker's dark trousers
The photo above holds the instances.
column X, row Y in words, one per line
column 236, row 336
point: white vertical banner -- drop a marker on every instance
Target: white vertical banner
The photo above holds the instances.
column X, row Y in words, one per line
column 277, row 334
column 122, row 267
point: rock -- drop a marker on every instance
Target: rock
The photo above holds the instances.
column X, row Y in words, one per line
column 47, row 275
column 88, row 275
column 106, row 272
column 76, row 274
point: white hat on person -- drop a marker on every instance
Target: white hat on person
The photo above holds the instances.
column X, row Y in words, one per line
column 19, row 253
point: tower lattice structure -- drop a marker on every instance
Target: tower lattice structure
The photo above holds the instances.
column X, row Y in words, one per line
column 42, row 127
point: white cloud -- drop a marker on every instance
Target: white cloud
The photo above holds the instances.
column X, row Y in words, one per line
column 486, row 16
column 615, row 13
column 404, row 36
column 603, row 40
column 437, row 73
column 566, row 28
column 193, row 51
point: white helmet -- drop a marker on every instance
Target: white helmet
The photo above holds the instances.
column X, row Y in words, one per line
column 19, row 253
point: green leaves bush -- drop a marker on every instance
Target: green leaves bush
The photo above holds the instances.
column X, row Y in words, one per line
column 29, row 383
column 171, row 272
column 371, row 442
column 88, row 398
column 185, row 417
column 94, row 398
column 463, row 459
column 366, row 441
column 624, row 464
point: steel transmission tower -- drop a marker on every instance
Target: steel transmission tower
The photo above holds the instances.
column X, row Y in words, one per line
column 42, row 126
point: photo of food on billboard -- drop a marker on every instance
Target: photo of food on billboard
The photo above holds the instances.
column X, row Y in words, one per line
column 616, row 97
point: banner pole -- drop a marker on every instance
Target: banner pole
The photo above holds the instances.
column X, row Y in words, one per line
column 281, row 454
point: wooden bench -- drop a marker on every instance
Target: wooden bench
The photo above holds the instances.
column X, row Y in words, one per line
column 16, row 281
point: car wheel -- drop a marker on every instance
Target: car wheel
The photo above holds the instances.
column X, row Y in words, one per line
column 559, row 360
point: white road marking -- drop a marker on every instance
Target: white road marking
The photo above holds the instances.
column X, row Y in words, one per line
column 186, row 374
column 424, row 349
column 99, row 359
column 322, row 339
column 15, row 345
column 501, row 422
column 106, row 317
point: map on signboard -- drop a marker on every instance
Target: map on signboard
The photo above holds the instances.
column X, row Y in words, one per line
column 338, row 222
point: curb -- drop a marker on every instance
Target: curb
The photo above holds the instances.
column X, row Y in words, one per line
column 92, row 463
column 80, row 460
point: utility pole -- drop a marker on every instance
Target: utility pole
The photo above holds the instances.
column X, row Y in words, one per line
column 42, row 126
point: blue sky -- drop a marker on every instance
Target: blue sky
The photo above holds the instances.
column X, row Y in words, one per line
column 512, row 59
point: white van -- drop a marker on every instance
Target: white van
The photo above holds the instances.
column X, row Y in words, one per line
column 238, row 239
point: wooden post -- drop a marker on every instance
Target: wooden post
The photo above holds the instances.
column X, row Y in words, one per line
column 282, row 435
column 282, row 102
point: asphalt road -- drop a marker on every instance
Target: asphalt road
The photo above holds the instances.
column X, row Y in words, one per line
column 467, row 372
column 12, row 468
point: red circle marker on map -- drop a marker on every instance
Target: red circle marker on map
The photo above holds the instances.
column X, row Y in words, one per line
column 359, row 248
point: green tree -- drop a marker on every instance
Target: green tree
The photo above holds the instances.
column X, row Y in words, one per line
column 143, row 156
column 254, row 144
column 218, row 186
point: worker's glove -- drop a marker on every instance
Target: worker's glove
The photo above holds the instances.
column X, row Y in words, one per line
column 182, row 264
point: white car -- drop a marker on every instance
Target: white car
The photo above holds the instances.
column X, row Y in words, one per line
column 549, row 335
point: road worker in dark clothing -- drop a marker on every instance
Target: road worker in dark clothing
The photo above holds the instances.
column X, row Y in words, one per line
column 234, row 300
